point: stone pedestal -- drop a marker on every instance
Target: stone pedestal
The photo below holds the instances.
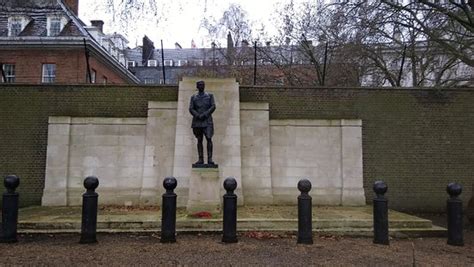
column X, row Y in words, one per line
column 204, row 191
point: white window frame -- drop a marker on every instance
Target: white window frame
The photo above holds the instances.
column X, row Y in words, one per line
column 150, row 81
column 168, row 63
column 132, row 63
column 152, row 63
column 54, row 26
column 121, row 58
column 49, row 23
column 15, row 24
column 104, row 80
column 9, row 75
column 15, row 20
column 48, row 76
column 182, row 62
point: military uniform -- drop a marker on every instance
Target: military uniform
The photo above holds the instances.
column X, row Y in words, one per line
column 202, row 104
column 201, row 107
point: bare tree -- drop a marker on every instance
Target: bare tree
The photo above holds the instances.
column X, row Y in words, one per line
column 303, row 49
column 231, row 36
column 438, row 38
column 450, row 24
column 235, row 21
column 392, row 42
column 126, row 13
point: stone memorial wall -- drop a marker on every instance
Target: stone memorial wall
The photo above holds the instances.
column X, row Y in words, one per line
column 267, row 157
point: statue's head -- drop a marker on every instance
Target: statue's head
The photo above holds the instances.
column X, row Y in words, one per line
column 200, row 86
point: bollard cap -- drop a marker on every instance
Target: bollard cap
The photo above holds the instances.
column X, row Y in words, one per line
column 304, row 185
column 380, row 188
column 454, row 189
column 91, row 182
column 11, row 182
column 230, row 184
column 170, row 183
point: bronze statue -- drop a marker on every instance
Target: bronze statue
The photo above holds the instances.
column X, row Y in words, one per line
column 202, row 106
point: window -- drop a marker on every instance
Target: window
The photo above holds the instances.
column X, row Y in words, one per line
column 49, row 73
column 168, row 62
column 121, row 59
column 16, row 26
column 149, row 81
column 130, row 64
column 199, row 62
column 152, row 63
column 9, row 73
column 54, row 26
column 93, row 76
column 182, row 63
column 104, row 80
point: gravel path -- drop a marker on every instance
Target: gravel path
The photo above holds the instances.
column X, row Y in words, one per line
column 252, row 249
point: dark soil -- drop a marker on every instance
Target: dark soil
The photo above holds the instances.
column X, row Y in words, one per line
column 252, row 249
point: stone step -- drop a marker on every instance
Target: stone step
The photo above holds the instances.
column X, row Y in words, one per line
column 337, row 220
column 210, row 224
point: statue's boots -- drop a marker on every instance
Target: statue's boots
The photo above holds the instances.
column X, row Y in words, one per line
column 200, row 153
column 209, row 152
column 210, row 162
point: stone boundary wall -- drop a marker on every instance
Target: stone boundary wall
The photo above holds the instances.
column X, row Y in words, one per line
column 416, row 140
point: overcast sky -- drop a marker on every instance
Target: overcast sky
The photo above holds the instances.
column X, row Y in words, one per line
column 181, row 24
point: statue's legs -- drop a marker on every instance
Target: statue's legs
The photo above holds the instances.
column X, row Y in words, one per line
column 209, row 151
column 199, row 135
column 208, row 133
column 200, row 152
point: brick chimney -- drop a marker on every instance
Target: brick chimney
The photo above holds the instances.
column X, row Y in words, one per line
column 73, row 5
column 99, row 24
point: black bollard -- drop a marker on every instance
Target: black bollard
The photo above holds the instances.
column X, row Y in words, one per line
column 10, row 210
column 168, row 212
column 230, row 212
column 305, row 216
column 89, row 211
column 380, row 214
column 454, row 210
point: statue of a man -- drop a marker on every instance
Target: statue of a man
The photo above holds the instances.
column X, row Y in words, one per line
column 202, row 106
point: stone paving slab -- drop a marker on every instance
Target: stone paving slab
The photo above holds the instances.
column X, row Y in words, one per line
column 334, row 220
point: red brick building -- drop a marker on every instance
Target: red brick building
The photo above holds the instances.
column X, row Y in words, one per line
column 45, row 42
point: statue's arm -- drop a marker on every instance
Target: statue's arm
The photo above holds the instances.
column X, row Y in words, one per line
column 192, row 110
column 212, row 107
